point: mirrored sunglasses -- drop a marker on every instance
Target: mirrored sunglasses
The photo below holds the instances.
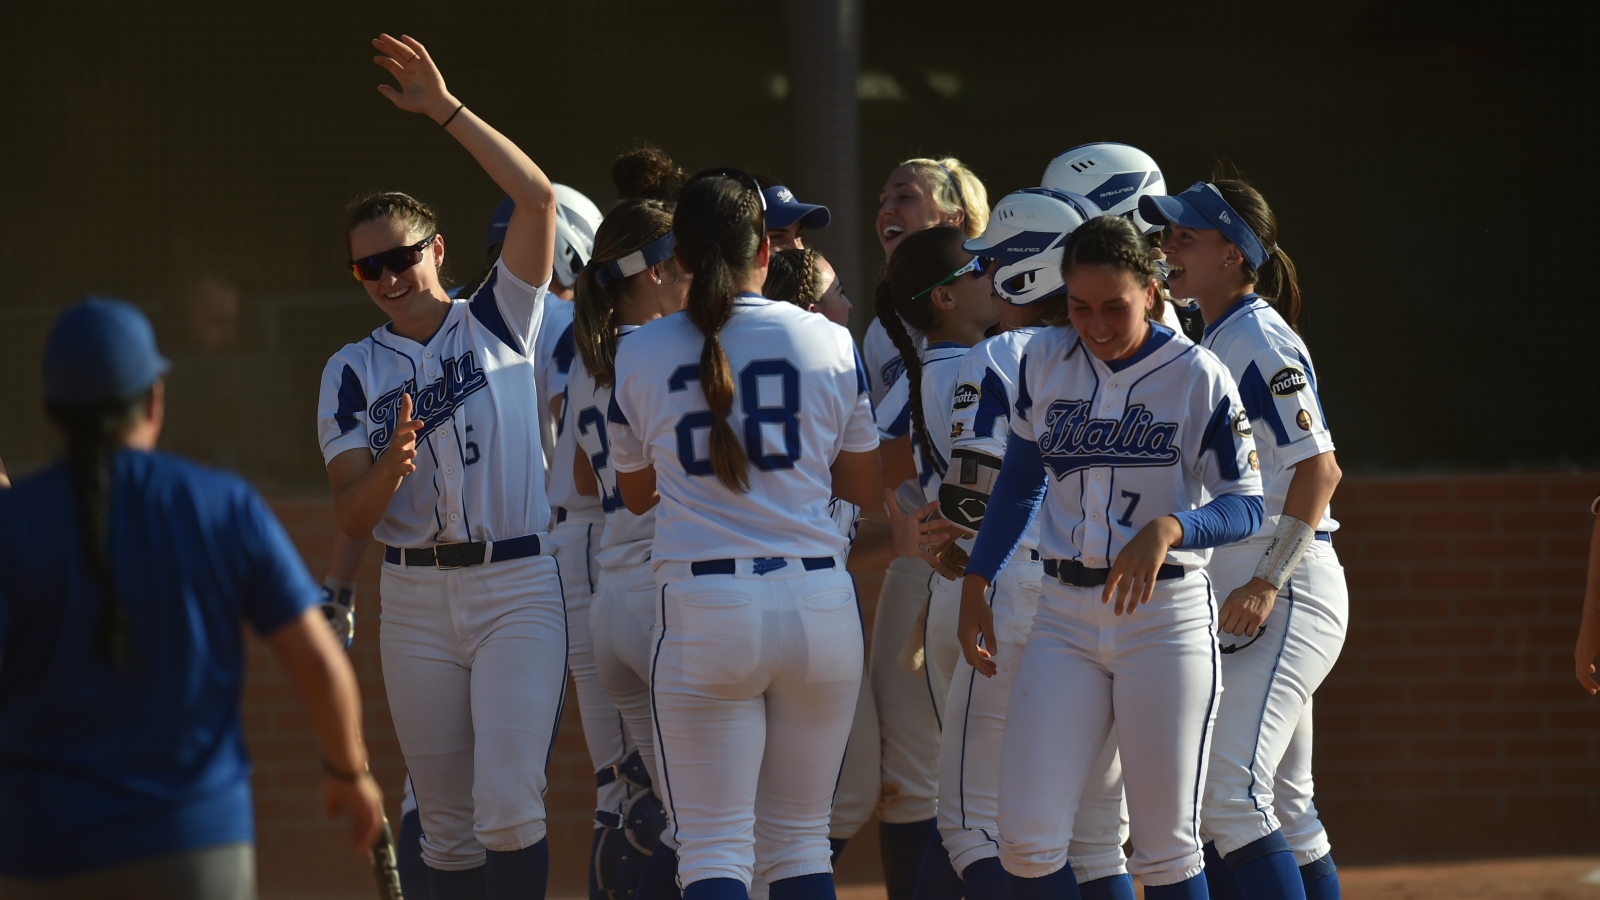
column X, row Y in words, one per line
column 398, row 260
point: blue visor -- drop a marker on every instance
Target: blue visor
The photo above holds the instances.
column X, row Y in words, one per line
column 1202, row 206
column 628, row 266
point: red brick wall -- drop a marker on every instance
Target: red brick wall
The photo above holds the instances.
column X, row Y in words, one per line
column 1451, row 726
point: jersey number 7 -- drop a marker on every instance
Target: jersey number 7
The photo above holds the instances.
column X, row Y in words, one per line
column 755, row 416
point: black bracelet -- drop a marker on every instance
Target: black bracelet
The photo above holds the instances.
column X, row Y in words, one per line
column 446, row 122
column 341, row 775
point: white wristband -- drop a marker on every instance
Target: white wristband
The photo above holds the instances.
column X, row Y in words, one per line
column 1289, row 543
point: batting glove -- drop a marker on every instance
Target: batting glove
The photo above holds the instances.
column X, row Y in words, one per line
column 339, row 605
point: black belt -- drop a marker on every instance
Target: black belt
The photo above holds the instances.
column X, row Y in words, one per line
column 729, row 567
column 1033, row 556
column 1071, row 572
column 561, row 514
column 610, row 820
column 457, row 556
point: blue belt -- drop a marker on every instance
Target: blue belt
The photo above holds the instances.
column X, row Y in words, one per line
column 729, row 566
column 457, row 556
column 1071, row 572
column 1324, row 536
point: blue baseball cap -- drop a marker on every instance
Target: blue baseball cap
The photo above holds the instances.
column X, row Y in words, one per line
column 498, row 224
column 102, row 349
column 784, row 210
column 1203, row 206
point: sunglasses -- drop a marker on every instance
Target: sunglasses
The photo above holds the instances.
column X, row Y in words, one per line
column 397, row 260
column 978, row 265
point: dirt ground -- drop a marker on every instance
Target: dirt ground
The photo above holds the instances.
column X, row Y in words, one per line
column 1556, row 878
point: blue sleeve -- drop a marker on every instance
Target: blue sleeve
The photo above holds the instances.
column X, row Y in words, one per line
column 1017, row 494
column 1225, row 520
column 278, row 588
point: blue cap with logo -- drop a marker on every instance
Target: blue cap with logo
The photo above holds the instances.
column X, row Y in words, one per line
column 102, row 349
column 784, row 210
column 1203, row 206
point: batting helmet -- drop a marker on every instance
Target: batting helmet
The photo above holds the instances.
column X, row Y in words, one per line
column 1113, row 176
column 576, row 220
column 1025, row 237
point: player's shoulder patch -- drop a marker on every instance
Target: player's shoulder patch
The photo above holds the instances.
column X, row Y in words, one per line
column 966, row 395
column 1288, row 381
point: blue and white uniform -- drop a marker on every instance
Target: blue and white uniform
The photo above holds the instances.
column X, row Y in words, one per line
column 576, row 526
column 474, row 657
column 1259, row 780
column 975, row 711
column 757, row 656
column 1100, row 450
column 914, row 647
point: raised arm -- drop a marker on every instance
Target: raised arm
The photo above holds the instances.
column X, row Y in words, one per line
column 529, row 248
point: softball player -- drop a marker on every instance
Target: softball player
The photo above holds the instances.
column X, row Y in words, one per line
column 1121, row 429
column 1024, row 239
column 633, row 279
column 757, row 653
column 787, row 218
column 474, row 635
column 1287, row 605
column 917, row 195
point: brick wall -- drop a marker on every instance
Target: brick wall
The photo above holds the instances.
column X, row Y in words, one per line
column 1451, row 726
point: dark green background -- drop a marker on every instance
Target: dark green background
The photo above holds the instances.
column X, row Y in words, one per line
column 1429, row 164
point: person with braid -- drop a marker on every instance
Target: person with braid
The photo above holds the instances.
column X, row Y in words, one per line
column 742, row 417
column 125, row 575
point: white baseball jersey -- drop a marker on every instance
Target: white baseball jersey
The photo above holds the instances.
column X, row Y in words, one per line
column 558, row 481
column 552, row 362
column 985, row 392
column 941, row 363
column 1279, row 390
column 801, row 398
column 474, row 386
column 1127, row 444
column 627, row 537
column 883, row 359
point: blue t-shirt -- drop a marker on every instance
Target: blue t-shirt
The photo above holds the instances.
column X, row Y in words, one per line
column 98, row 768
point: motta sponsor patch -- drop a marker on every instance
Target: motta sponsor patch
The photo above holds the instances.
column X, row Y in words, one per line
column 1241, row 424
column 1288, row 380
column 966, row 395
column 1303, row 419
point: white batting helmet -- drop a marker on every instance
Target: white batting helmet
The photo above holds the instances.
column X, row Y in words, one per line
column 576, row 220
column 1113, row 176
column 1025, row 235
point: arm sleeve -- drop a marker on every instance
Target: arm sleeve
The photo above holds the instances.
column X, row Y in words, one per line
column 629, row 453
column 510, row 308
column 342, row 418
column 1016, row 498
column 1225, row 520
column 277, row 588
column 893, row 413
column 860, row 433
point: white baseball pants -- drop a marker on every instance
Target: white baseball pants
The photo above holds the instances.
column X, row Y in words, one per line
column 969, row 754
column 604, row 734
column 1268, row 683
column 911, row 668
column 1155, row 675
column 475, row 666
column 754, row 682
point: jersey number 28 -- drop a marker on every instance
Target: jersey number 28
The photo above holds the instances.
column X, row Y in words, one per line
column 755, row 415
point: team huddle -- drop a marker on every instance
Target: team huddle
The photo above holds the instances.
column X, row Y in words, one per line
column 638, row 447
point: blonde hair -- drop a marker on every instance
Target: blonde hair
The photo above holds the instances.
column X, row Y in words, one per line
column 947, row 175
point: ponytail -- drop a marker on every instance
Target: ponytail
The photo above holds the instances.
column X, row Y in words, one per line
column 1277, row 279
column 92, row 435
column 904, row 298
column 720, row 225
column 645, row 179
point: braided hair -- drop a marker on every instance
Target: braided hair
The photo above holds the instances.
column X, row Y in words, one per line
column 904, row 298
column 720, row 226
column 93, row 433
column 795, row 276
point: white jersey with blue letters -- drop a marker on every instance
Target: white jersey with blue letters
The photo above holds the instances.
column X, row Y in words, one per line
column 941, row 363
column 473, row 385
column 1125, row 446
column 882, row 358
column 793, row 427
